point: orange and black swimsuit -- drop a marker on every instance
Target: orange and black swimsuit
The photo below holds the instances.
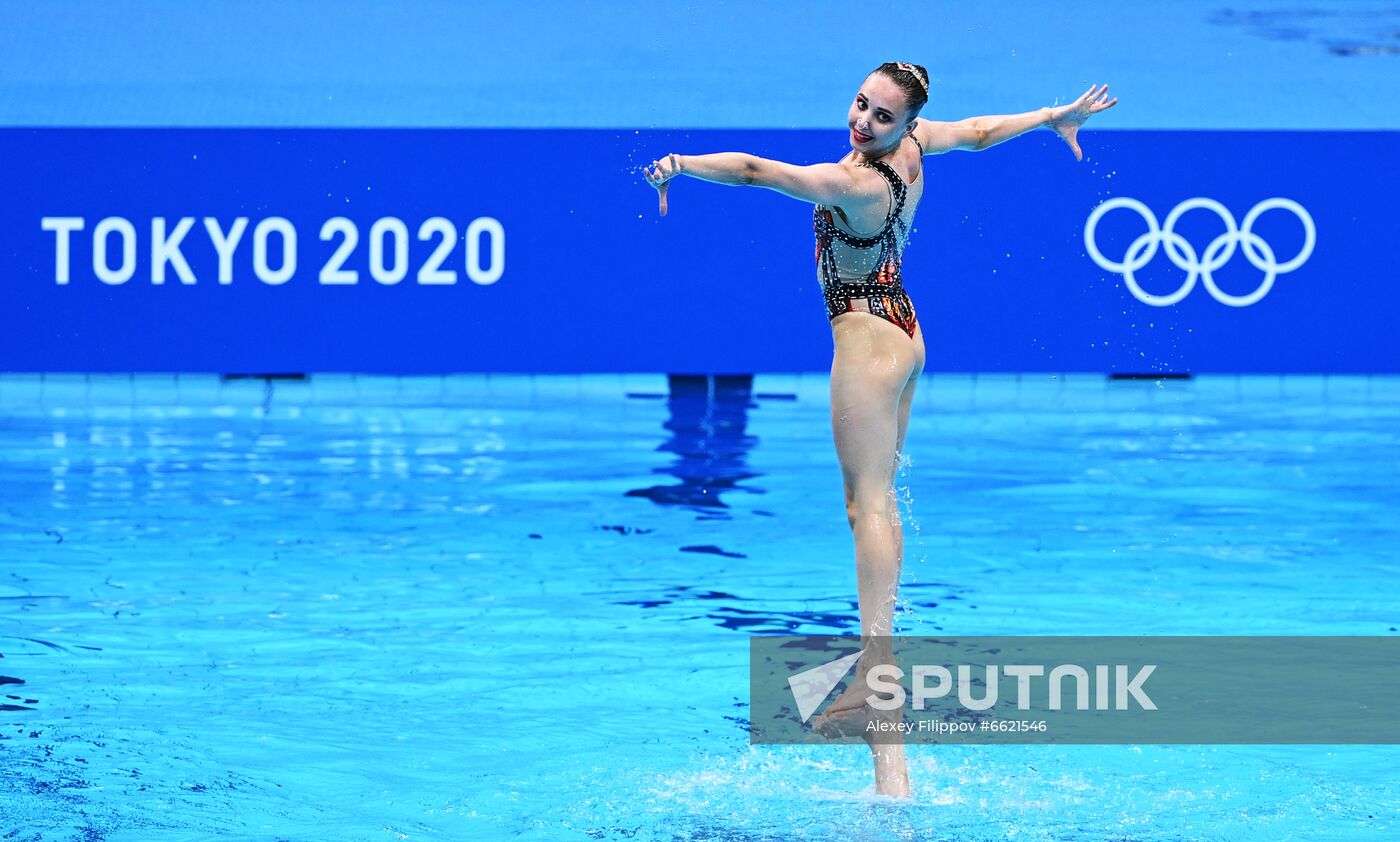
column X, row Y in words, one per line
column 882, row 288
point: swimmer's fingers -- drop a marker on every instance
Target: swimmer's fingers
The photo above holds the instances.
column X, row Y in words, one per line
column 658, row 178
column 663, row 171
column 1100, row 105
column 668, row 167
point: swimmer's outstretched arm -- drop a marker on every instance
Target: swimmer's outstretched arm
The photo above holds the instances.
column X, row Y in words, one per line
column 978, row 133
column 818, row 183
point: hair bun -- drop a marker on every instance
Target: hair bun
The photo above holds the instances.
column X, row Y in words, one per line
column 913, row 71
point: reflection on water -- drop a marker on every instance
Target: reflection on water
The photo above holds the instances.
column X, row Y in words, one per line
column 708, row 416
column 12, row 702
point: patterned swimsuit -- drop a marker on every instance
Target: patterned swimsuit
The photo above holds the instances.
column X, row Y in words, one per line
column 882, row 288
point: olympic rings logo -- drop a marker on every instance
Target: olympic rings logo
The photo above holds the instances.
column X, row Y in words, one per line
column 1220, row 250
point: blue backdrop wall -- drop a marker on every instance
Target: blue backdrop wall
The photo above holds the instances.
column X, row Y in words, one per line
column 458, row 185
column 461, row 250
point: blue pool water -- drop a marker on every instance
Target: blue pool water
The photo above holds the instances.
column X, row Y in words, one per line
column 519, row 608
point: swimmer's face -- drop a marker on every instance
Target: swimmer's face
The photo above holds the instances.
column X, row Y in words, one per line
column 879, row 116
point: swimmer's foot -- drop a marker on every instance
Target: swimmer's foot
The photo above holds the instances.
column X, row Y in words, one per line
column 891, row 770
column 849, row 722
column 850, row 715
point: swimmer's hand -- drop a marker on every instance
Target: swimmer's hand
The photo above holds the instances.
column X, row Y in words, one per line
column 661, row 172
column 1066, row 119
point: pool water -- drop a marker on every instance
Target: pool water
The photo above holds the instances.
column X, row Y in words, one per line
column 519, row 607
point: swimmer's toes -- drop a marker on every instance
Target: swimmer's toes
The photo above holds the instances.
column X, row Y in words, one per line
column 844, row 722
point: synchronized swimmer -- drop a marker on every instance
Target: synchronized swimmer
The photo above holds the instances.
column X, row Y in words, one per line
column 879, row 346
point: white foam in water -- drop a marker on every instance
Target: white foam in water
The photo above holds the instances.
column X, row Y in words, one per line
column 1122, row 793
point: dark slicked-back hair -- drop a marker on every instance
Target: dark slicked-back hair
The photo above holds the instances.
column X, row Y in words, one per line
column 914, row 85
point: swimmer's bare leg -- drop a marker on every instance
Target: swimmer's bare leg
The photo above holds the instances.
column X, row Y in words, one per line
column 872, row 369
